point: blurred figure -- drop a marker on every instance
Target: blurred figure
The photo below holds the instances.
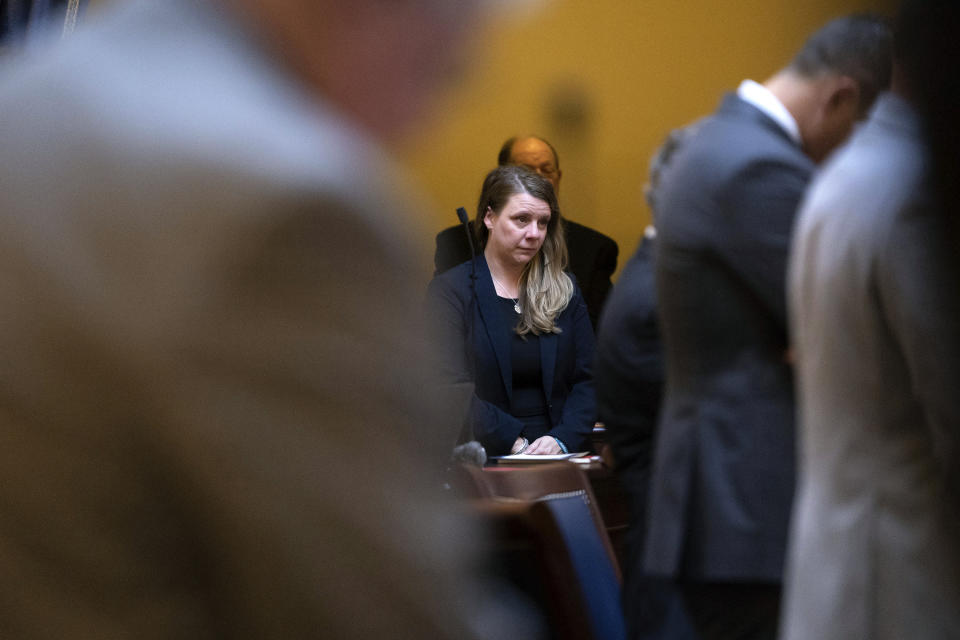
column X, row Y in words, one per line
column 876, row 322
column 629, row 379
column 26, row 19
column 514, row 324
column 212, row 422
column 936, row 94
column 592, row 255
column 724, row 463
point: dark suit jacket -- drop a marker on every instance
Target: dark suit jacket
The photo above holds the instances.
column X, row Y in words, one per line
column 724, row 466
column 629, row 379
column 629, row 373
column 593, row 259
column 476, row 348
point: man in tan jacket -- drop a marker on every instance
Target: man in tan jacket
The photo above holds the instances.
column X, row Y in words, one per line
column 210, row 421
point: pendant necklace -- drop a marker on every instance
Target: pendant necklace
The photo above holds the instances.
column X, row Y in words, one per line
column 516, row 301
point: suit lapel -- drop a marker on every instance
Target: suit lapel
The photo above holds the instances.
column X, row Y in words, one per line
column 498, row 332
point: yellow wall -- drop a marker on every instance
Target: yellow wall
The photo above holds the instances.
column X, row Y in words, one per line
column 638, row 68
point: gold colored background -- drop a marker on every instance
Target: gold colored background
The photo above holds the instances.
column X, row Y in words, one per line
column 604, row 80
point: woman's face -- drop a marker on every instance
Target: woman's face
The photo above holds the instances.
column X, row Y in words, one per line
column 517, row 232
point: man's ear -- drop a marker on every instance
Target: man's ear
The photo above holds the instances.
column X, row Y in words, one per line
column 844, row 95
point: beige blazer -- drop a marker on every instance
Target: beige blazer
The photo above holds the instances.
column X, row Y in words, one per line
column 875, row 314
column 211, row 412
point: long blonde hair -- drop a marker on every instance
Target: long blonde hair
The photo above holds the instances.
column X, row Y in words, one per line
column 545, row 290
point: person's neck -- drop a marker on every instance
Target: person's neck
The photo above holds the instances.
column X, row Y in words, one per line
column 793, row 92
column 806, row 98
column 801, row 96
column 507, row 275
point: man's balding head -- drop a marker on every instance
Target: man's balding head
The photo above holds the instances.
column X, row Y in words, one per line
column 534, row 153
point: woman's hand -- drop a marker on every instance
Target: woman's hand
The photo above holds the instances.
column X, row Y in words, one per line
column 519, row 446
column 544, row 446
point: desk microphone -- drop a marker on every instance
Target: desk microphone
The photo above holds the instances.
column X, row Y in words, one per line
column 468, row 449
column 470, row 453
column 465, row 221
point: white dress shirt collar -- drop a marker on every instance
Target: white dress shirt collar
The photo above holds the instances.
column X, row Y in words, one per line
column 763, row 99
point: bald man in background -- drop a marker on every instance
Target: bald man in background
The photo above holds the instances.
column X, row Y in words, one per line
column 209, row 425
column 592, row 255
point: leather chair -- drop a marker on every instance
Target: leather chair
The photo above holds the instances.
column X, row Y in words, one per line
column 552, row 544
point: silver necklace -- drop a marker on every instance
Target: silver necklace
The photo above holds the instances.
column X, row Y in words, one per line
column 516, row 301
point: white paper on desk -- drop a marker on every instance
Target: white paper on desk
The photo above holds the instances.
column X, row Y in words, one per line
column 524, row 458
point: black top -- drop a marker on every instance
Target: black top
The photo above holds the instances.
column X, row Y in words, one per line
column 476, row 347
column 528, row 399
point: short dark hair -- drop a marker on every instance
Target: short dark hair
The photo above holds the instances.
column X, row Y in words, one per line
column 503, row 158
column 661, row 159
column 859, row 46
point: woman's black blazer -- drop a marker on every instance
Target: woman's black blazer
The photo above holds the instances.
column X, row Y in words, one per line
column 475, row 347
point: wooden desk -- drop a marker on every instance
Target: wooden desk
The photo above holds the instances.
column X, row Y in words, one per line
column 612, row 500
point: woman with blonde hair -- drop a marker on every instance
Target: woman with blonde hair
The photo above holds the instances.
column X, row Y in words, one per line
column 515, row 325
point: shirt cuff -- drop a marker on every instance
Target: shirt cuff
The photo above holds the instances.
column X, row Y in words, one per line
column 563, row 447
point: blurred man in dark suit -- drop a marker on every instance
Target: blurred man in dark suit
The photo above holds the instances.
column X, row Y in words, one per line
column 629, row 376
column 593, row 256
column 724, row 465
